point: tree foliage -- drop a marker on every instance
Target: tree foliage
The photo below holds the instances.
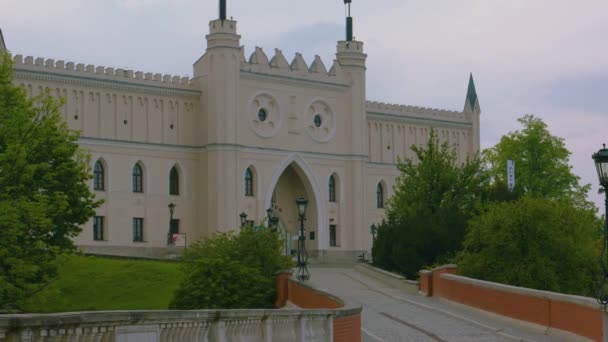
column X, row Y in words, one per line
column 534, row 242
column 435, row 196
column 541, row 163
column 231, row 271
column 44, row 191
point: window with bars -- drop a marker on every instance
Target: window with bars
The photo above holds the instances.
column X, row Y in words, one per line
column 138, row 178
column 174, row 182
column 98, row 228
column 248, row 182
column 98, row 177
column 138, row 229
column 332, row 189
column 380, row 196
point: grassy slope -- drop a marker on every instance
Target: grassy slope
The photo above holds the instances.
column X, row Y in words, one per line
column 90, row 283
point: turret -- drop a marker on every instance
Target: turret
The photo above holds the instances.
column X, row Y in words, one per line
column 218, row 74
column 472, row 111
column 351, row 59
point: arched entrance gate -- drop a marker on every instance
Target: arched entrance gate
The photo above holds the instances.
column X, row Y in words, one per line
column 293, row 179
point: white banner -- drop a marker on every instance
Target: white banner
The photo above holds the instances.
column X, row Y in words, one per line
column 511, row 175
column 179, row 240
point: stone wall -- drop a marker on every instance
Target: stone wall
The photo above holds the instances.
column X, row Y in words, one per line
column 325, row 318
column 563, row 316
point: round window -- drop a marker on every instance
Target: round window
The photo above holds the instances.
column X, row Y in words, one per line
column 262, row 115
column 317, row 120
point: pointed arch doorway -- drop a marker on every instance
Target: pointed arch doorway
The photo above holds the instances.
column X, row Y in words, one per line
column 291, row 180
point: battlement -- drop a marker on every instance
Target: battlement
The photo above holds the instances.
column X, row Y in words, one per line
column 259, row 62
column 61, row 67
column 422, row 112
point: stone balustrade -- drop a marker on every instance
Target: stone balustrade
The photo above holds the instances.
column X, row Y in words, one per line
column 322, row 318
column 182, row 326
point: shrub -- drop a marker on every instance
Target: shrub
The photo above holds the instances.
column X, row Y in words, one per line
column 535, row 243
column 231, row 271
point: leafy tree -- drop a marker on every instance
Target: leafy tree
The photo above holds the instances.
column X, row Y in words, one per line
column 427, row 216
column 534, row 242
column 44, row 192
column 231, row 271
column 541, row 163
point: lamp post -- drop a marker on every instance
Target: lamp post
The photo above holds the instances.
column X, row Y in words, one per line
column 171, row 211
column 601, row 164
column 302, row 273
column 373, row 229
column 243, row 217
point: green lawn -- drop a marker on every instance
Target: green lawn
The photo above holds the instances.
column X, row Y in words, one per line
column 94, row 283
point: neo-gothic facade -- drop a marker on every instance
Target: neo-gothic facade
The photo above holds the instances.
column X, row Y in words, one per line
column 241, row 135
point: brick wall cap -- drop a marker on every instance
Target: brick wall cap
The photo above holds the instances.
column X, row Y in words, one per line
column 290, row 272
column 443, row 267
column 554, row 296
column 349, row 308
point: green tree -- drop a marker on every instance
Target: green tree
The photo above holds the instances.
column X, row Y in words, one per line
column 231, row 271
column 536, row 243
column 44, row 191
column 435, row 196
column 541, row 163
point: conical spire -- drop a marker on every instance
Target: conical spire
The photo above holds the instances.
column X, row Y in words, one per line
column 472, row 93
column 2, row 45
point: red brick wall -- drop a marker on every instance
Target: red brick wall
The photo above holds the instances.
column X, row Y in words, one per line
column 307, row 298
column 346, row 328
column 424, row 285
column 548, row 311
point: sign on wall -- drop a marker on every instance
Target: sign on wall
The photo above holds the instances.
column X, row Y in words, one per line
column 179, row 240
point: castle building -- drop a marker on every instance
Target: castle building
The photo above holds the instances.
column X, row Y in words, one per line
column 241, row 135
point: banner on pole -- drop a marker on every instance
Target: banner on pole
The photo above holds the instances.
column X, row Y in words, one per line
column 511, row 174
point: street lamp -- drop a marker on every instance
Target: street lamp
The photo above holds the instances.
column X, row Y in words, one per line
column 601, row 164
column 303, row 273
column 243, row 220
column 171, row 211
column 373, row 229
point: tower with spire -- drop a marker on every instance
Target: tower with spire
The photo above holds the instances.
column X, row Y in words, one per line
column 472, row 111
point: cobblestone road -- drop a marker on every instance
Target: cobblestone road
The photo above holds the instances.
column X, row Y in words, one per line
column 392, row 315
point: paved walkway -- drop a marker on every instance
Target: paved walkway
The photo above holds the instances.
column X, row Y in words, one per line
column 392, row 315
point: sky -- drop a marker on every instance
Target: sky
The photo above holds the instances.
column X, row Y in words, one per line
column 543, row 57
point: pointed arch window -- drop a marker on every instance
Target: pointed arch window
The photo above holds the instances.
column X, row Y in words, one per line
column 174, row 181
column 98, row 177
column 332, row 188
column 248, row 182
column 138, row 178
column 380, row 196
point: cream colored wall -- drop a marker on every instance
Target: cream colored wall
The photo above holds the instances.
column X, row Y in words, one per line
column 114, row 104
column 122, row 205
column 216, row 135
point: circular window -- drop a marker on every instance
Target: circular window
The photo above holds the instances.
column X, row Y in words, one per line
column 262, row 115
column 317, row 120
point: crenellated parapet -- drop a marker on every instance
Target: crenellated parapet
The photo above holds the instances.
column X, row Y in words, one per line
column 278, row 65
column 93, row 72
column 380, row 108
